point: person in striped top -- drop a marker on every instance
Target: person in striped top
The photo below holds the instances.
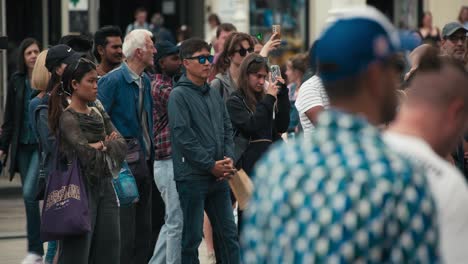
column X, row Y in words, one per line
column 311, row 99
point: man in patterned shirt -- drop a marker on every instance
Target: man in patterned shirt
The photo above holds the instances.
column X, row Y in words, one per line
column 167, row 63
column 341, row 195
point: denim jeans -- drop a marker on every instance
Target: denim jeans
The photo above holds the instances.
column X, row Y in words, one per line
column 28, row 166
column 51, row 251
column 168, row 246
column 213, row 197
column 102, row 244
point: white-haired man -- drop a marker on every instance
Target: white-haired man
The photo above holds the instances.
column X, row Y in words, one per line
column 126, row 95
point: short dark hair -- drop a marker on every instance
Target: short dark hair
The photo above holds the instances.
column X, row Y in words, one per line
column 22, row 68
column 100, row 38
column 225, row 27
column 140, row 10
column 191, row 46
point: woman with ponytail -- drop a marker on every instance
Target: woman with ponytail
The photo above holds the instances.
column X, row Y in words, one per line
column 86, row 133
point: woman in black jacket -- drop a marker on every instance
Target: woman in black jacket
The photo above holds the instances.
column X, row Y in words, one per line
column 259, row 111
column 18, row 137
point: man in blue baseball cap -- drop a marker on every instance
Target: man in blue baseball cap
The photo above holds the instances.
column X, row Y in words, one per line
column 340, row 195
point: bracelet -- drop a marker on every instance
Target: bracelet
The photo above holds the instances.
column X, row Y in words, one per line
column 104, row 148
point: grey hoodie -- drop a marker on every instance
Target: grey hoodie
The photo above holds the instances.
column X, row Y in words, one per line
column 224, row 84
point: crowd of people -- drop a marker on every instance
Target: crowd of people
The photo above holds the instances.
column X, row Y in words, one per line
column 358, row 155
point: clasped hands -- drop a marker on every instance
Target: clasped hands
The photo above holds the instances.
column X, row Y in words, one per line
column 224, row 169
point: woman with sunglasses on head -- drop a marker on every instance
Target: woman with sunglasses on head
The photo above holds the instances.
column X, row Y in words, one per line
column 88, row 134
column 237, row 46
column 258, row 115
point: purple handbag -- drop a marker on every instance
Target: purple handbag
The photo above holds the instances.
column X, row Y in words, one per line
column 65, row 211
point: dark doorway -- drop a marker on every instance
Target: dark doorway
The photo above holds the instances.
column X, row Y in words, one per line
column 121, row 13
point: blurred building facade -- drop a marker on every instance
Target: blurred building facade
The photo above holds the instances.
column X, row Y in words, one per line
column 301, row 20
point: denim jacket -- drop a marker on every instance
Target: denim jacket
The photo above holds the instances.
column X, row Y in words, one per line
column 119, row 95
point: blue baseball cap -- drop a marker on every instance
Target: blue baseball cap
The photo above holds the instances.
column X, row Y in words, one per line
column 355, row 39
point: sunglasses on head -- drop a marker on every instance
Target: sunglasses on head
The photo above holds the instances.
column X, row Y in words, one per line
column 242, row 51
column 258, row 59
column 202, row 58
column 82, row 60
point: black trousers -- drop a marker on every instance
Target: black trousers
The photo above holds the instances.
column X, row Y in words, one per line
column 135, row 220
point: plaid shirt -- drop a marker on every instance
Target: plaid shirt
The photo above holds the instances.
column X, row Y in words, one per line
column 161, row 87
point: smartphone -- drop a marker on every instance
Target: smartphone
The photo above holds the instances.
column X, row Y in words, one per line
column 276, row 29
column 275, row 72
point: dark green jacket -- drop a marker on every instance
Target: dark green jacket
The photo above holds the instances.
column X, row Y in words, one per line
column 13, row 119
column 201, row 131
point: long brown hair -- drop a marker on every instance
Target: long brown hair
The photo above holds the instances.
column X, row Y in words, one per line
column 57, row 101
column 253, row 63
column 230, row 46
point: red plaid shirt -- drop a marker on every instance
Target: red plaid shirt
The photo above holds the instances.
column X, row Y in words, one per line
column 161, row 87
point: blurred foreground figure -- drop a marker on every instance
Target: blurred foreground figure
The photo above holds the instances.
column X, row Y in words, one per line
column 340, row 194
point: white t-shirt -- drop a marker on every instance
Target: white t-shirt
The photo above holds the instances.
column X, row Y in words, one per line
column 450, row 193
column 311, row 94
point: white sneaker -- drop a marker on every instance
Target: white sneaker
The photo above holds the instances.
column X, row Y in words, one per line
column 32, row 258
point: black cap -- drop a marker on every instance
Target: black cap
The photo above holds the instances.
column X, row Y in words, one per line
column 164, row 49
column 59, row 54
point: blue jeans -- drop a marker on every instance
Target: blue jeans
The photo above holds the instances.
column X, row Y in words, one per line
column 28, row 166
column 213, row 197
column 168, row 246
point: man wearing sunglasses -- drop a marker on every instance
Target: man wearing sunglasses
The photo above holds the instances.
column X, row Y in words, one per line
column 454, row 46
column 454, row 40
column 202, row 152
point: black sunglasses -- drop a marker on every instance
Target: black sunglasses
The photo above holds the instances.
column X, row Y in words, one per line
column 242, row 51
column 202, row 58
column 456, row 38
column 258, row 59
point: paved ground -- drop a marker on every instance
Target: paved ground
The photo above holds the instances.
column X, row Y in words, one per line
column 13, row 244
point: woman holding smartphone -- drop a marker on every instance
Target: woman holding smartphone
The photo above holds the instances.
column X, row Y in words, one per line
column 258, row 115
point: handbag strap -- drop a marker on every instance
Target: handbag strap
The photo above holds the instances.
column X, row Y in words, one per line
column 55, row 158
column 236, row 131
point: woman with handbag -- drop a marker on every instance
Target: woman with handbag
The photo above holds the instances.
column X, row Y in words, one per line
column 87, row 136
column 258, row 115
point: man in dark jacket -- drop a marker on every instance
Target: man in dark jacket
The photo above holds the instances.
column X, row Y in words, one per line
column 202, row 152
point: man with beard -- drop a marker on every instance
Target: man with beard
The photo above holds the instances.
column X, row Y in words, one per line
column 167, row 63
column 454, row 41
column 340, row 195
column 108, row 49
column 454, row 46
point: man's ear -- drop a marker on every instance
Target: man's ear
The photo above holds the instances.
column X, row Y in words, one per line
column 373, row 76
column 456, row 110
column 100, row 50
column 185, row 62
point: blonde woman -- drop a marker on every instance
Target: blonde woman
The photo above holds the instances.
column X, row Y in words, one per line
column 39, row 80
